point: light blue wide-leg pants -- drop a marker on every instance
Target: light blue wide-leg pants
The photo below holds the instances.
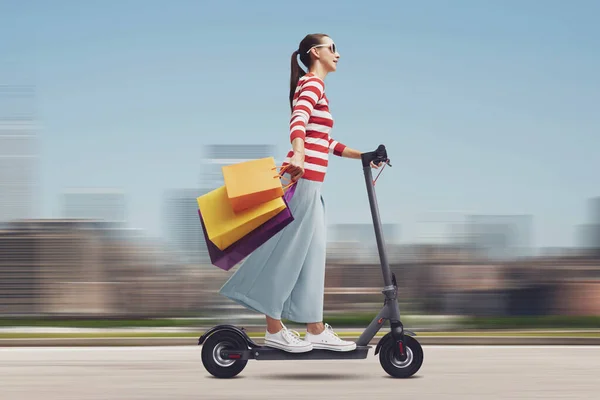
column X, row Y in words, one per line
column 285, row 277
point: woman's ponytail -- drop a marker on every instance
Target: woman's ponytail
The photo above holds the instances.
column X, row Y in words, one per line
column 296, row 73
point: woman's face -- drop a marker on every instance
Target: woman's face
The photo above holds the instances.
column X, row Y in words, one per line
column 328, row 55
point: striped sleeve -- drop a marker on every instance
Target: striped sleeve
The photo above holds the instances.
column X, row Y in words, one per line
column 306, row 97
column 336, row 147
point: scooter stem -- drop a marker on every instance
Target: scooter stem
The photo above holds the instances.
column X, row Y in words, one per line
column 385, row 267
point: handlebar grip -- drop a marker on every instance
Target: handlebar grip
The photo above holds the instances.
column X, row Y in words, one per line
column 377, row 156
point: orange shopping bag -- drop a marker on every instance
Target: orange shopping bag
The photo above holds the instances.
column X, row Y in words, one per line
column 251, row 183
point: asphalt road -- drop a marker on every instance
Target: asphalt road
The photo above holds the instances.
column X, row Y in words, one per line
column 452, row 372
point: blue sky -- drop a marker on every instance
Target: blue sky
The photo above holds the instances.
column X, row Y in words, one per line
column 485, row 107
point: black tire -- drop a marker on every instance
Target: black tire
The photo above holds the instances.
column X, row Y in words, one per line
column 211, row 348
column 395, row 367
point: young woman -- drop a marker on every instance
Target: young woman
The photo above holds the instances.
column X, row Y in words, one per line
column 285, row 278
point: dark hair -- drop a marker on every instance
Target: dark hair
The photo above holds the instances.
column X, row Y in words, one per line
column 296, row 71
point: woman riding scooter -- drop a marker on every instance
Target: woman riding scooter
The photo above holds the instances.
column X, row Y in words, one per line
column 285, row 277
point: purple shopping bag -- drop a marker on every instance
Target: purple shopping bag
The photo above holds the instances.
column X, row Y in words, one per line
column 228, row 258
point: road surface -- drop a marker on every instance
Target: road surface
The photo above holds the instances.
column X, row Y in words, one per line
column 449, row 372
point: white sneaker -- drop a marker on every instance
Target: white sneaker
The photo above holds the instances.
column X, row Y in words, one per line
column 287, row 340
column 329, row 340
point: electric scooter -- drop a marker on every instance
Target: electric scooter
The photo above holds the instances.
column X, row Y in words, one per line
column 226, row 349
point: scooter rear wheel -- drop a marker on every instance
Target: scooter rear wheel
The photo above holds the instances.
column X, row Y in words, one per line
column 216, row 365
column 401, row 368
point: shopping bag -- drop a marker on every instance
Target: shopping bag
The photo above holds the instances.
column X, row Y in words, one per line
column 254, row 182
column 224, row 226
column 232, row 255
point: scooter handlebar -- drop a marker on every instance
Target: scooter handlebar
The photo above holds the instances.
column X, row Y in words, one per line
column 377, row 156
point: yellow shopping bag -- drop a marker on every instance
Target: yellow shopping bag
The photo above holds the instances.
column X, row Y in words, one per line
column 251, row 183
column 225, row 227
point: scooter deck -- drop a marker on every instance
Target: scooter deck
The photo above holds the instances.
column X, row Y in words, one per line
column 270, row 353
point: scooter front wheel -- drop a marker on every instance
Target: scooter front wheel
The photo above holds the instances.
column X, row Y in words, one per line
column 216, row 365
column 398, row 368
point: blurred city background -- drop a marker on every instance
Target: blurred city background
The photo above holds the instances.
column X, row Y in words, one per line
column 92, row 263
column 490, row 116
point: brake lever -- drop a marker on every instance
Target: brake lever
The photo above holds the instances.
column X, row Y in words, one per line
column 386, row 162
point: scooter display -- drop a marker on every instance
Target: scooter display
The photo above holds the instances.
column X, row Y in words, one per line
column 226, row 349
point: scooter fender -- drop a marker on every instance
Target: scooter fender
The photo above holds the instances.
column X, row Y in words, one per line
column 230, row 328
column 388, row 337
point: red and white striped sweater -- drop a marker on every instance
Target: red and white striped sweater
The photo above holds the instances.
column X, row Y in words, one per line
column 312, row 122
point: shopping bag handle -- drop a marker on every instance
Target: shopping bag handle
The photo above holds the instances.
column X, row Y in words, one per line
column 280, row 176
column 283, row 168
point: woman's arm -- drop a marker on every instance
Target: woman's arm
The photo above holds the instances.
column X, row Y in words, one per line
column 341, row 150
column 351, row 153
column 296, row 165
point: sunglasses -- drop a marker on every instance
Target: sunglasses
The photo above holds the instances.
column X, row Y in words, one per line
column 331, row 46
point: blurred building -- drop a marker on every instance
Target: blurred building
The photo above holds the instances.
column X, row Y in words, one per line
column 358, row 240
column 588, row 239
column 441, row 227
column 86, row 268
column 500, row 237
column 182, row 227
column 363, row 233
column 95, row 203
column 588, row 233
column 89, row 268
column 594, row 206
column 50, row 266
column 217, row 156
column 18, row 153
column 594, row 230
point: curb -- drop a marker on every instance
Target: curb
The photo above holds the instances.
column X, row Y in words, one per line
column 440, row 340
